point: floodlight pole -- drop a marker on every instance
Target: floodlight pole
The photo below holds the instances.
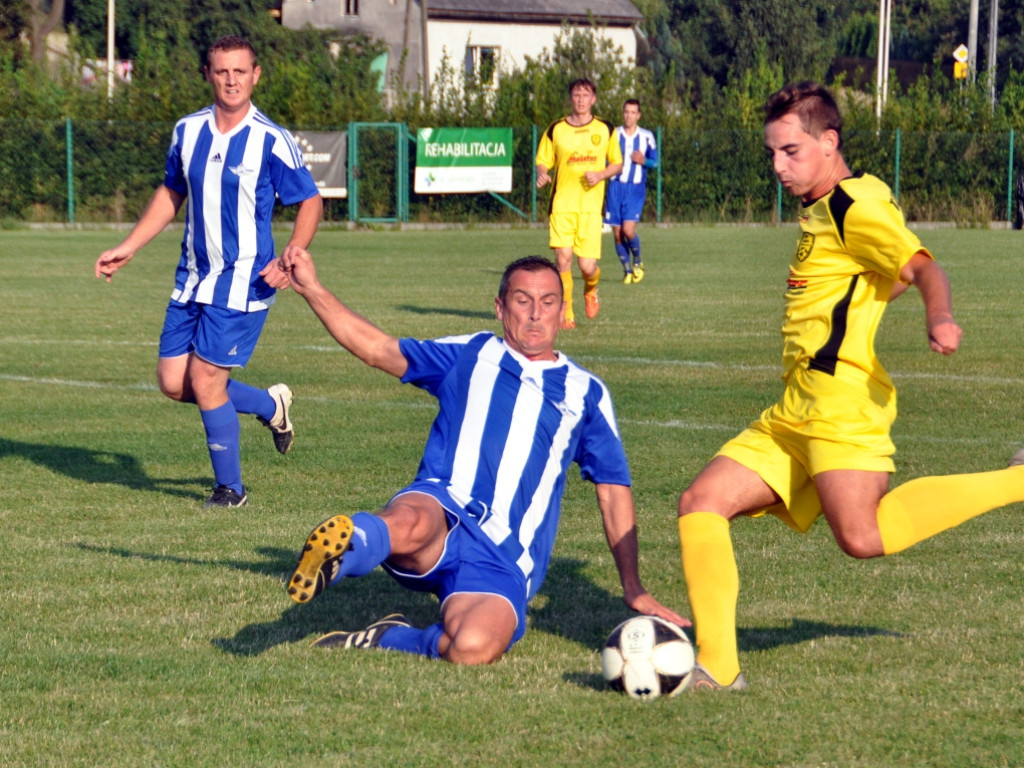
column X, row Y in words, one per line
column 110, row 49
column 972, row 42
column 993, row 35
column 882, row 66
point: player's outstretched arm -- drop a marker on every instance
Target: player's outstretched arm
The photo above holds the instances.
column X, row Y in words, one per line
column 160, row 211
column 307, row 219
column 944, row 333
column 619, row 517
column 351, row 330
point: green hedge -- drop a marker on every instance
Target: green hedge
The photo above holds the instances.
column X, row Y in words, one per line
column 706, row 176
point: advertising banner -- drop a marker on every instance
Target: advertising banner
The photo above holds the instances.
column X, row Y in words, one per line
column 463, row 160
column 325, row 156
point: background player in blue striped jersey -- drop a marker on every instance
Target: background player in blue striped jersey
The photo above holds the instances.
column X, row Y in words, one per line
column 477, row 525
column 624, row 199
column 229, row 161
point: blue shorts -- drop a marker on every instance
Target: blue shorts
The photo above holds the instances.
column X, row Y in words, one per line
column 471, row 563
column 623, row 202
column 224, row 337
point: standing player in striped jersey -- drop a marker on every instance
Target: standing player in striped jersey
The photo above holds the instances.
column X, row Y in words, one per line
column 229, row 161
column 477, row 525
column 824, row 448
column 582, row 151
column 624, row 201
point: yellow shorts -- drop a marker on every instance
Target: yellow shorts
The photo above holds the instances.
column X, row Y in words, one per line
column 580, row 231
column 819, row 424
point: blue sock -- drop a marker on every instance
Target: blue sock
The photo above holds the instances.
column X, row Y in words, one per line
column 371, row 545
column 623, row 254
column 411, row 640
column 221, row 425
column 248, row 399
column 634, row 247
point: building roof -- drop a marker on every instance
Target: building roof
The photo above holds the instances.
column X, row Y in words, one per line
column 607, row 12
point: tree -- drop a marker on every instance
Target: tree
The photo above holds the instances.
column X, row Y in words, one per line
column 42, row 20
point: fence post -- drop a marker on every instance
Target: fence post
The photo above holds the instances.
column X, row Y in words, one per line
column 69, row 157
column 661, row 154
column 1009, row 181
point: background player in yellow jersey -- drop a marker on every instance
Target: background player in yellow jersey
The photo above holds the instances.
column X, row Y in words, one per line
column 824, row 447
column 583, row 151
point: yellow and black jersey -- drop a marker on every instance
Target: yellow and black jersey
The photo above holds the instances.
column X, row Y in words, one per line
column 570, row 152
column 854, row 241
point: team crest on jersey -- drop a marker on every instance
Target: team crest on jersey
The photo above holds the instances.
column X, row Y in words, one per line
column 240, row 170
column 805, row 246
column 595, row 140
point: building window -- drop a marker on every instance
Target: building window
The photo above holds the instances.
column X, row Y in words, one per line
column 351, row 7
column 482, row 63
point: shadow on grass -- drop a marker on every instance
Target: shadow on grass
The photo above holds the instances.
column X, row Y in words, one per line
column 570, row 606
column 450, row 311
column 798, row 631
column 92, row 466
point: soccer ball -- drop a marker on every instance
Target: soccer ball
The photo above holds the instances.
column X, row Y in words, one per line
column 647, row 657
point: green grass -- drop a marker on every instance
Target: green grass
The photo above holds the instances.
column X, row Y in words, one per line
column 140, row 629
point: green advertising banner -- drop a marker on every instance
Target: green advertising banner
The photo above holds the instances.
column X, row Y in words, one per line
column 463, row 160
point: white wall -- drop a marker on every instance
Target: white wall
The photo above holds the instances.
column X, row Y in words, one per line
column 515, row 40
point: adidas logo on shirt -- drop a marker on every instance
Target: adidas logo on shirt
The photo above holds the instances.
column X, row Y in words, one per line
column 217, row 158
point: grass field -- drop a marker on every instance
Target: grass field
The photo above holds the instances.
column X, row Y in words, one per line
column 140, row 629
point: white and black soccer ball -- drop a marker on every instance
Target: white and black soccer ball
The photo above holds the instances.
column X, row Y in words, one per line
column 647, row 657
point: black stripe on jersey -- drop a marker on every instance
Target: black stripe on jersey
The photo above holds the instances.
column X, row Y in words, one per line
column 825, row 359
column 838, row 205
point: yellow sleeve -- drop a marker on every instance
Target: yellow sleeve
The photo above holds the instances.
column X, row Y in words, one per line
column 614, row 149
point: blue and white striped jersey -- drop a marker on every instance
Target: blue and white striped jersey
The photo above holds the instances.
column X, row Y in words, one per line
column 230, row 181
column 504, row 437
column 643, row 141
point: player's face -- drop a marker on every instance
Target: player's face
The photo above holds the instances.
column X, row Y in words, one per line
column 802, row 163
column 233, row 77
column 532, row 313
column 630, row 116
column 583, row 100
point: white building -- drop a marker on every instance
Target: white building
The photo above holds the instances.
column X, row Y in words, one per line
column 483, row 37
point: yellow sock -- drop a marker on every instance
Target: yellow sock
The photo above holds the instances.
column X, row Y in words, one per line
column 921, row 508
column 713, row 586
column 590, row 283
column 567, row 293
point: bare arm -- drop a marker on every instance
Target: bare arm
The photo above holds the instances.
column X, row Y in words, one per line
column 351, row 330
column 307, row 219
column 543, row 179
column 596, row 177
column 931, row 280
column 619, row 517
column 160, row 211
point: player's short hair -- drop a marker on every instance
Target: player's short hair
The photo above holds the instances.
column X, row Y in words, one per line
column 582, row 82
column 230, row 43
column 812, row 102
column 527, row 264
column 634, row 102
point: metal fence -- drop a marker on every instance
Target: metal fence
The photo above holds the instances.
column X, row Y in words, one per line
column 105, row 171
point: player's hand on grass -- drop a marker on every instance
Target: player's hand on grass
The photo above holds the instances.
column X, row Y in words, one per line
column 644, row 602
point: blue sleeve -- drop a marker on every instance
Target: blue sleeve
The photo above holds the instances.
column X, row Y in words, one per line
column 600, row 454
column 292, row 180
column 431, row 361
column 174, row 170
column 651, row 160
